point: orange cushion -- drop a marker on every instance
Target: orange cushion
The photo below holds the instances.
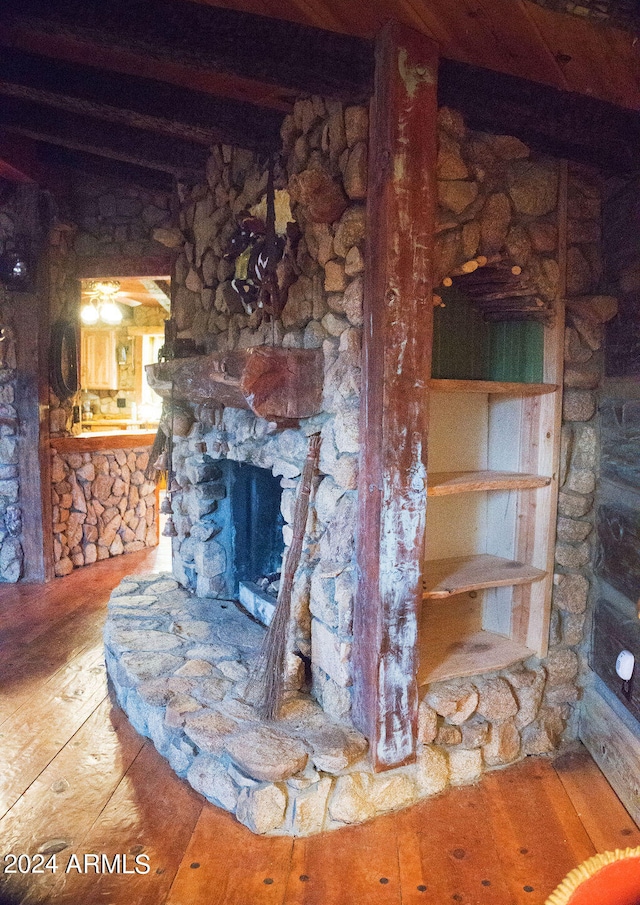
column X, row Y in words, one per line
column 611, row 878
column 615, row 884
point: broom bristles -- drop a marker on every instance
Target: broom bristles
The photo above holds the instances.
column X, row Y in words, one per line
column 269, row 676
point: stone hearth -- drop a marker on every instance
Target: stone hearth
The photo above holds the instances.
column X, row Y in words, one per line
column 181, row 669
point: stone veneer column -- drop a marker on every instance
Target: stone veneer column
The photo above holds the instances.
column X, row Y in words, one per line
column 325, row 142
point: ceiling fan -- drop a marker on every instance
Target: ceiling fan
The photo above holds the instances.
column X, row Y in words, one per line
column 103, row 299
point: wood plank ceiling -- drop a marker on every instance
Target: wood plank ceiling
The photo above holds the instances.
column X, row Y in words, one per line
column 146, row 86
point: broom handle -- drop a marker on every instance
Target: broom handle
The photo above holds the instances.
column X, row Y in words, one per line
column 300, row 513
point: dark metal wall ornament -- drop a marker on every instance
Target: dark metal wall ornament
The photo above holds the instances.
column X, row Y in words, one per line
column 256, row 250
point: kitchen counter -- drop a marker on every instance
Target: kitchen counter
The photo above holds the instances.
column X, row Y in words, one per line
column 95, row 440
column 104, row 424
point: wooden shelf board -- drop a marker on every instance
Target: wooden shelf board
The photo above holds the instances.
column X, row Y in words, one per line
column 469, row 656
column 443, row 483
column 492, row 386
column 446, row 577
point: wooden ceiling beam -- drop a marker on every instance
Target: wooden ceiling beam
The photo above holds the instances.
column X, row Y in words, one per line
column 138, row 102
column 552, row 121
column 58, row 160
column 294, row 57
column 79, row 132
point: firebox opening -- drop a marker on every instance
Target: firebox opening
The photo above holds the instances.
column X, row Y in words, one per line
column 258, row 543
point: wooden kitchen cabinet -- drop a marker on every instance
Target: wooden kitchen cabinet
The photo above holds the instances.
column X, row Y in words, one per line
column 99, row 368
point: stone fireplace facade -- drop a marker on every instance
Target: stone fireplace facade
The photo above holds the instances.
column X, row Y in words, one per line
column 495, row 196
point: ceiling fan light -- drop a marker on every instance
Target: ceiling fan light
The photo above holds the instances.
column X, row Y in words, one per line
column 89, row 314
column 110, row 313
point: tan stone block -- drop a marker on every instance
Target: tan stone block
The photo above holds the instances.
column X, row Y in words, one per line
column 450, row 164
column 58, row 470
column 177, row 709
column 209, row 730
column 209, row 777
column 335, row 280
column 308, row 807
column 392, row 791
column 334, row 748
column 262, row 809
column 331, row 654
column 503, row 746
column 562, row 667
column 495, row 218
column 427, row 724
column 453, row 700
column 432, row 770
column 354, row 262
column 194, row 668
column 351, row 799
column 533, row 187
column 457, row 195
column 64, row 566
column 452, row 122
column 475, row 733
column 465, row 765
column 574, row 505
column 266, row 754
column 496, row 701
column 578, row 405
column 573, row 556
column 448, row 735
column 528, row 687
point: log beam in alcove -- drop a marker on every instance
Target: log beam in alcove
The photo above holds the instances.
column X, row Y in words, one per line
column 396, row 344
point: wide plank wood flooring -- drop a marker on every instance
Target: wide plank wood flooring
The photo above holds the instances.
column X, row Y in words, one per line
column 76, row 779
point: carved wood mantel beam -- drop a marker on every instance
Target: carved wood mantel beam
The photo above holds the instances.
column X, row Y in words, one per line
column 396, row 343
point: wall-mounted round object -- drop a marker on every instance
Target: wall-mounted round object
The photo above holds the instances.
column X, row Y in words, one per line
column 63, row 359
column 625, row 663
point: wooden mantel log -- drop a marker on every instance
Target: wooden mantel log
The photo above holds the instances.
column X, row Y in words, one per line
column 275, row 384
column 396, row 362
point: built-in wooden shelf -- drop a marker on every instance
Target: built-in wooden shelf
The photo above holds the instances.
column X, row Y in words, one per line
column 446, row 577
column 443, row 483
column 502, row 388
column 472, row 655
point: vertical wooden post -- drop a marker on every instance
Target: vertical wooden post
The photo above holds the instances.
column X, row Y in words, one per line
column 30, row 320
column 396, row 366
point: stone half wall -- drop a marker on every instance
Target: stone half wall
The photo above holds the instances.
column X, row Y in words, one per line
column 325, row 144
column 102, row 506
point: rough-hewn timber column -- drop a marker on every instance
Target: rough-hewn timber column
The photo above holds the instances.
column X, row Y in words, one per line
column 396, row 353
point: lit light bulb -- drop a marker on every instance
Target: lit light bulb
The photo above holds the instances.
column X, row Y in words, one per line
column 110, row 313
column 89, row 314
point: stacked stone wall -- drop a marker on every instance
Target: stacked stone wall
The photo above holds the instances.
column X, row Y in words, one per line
column 11, row 553
column 104, row 218
column 324, row 146
column 102, row 506
column 498, row 197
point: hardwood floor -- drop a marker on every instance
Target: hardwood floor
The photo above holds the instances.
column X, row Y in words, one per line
column 76, row 780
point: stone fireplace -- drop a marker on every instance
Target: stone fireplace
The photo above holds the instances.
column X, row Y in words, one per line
column 180, row 650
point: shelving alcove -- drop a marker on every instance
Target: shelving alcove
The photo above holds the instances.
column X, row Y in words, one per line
column 494, row 403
